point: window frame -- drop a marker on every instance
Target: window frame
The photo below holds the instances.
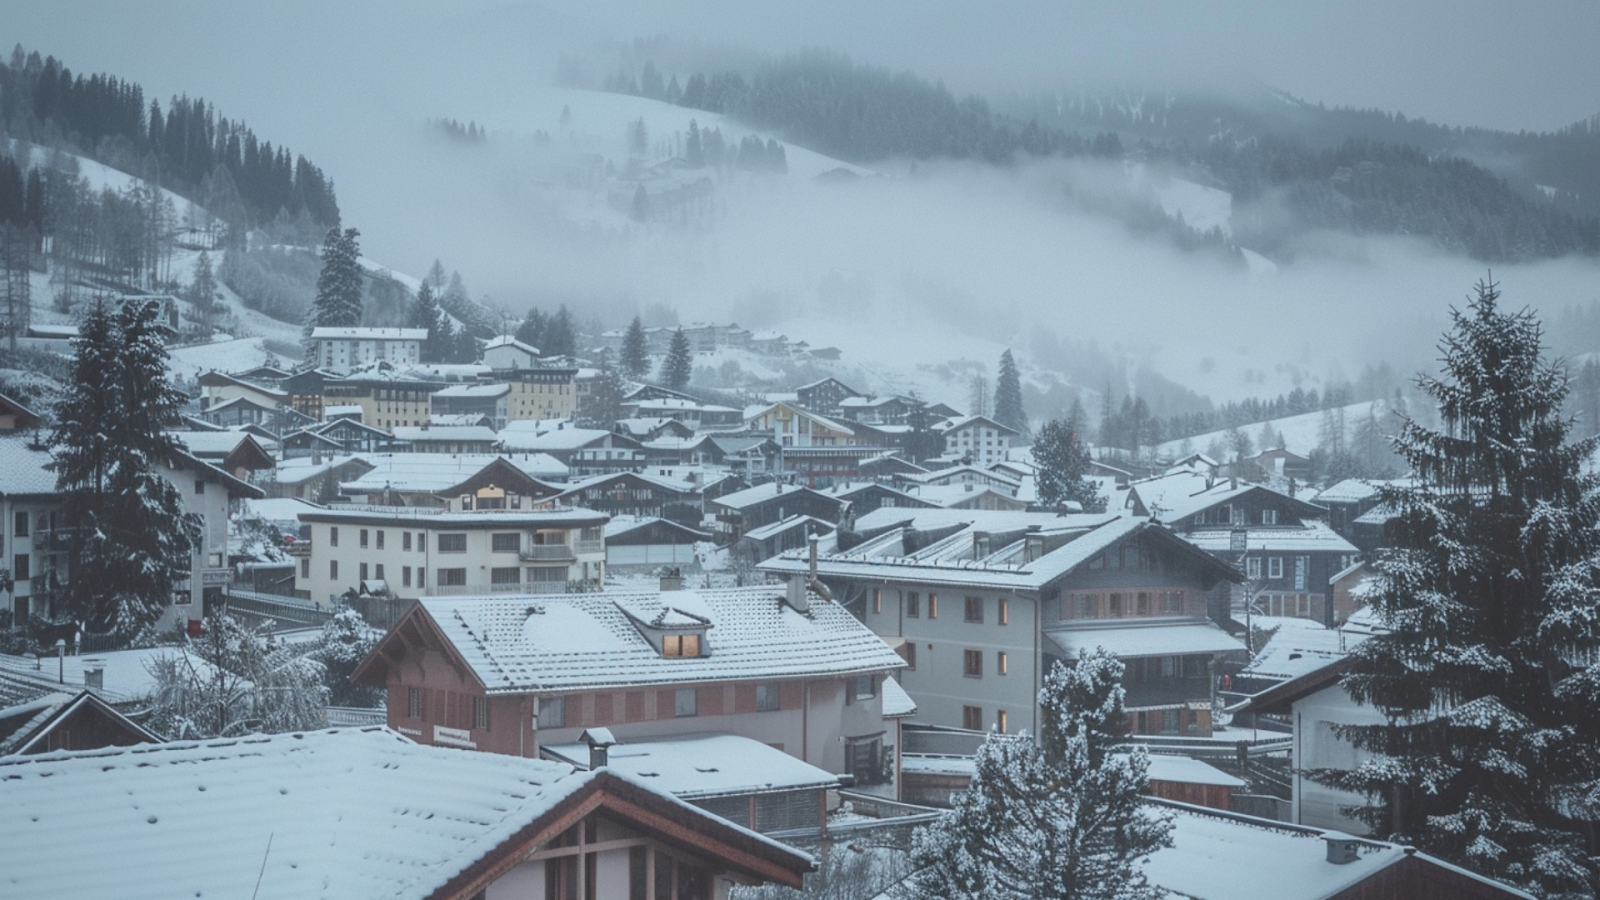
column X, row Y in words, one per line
column 685, row 703
column 972, row 610
column 972, row 663
column 448, row 539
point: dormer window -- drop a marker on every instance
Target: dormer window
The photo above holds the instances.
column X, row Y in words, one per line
column 680, row 645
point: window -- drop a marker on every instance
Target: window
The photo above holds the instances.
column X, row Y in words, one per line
column 1001, row 663
column 480, row 713
column 877, row 600
column 1269, row 517
column 1000, row 721
column 405, row 540
column 1003, row 614
column 422, row 577
column 864, row 687
column 552, row 712
column 305, row 568
column 1082, row 606
column 1172, row 602
column 452, row 543
column 685, row 702
column 972, row 718
column 973, row 609
column 503, row 542
column 768, row 698
column 933, row 606
column 451, row 578
column 405, row 576
column 182, row 598
column 913, row 605
column 1115, row 606
column 333, row 536
column 680, row 645
column 380, row 539
column 363, row 539
column 1169, row 720
column 909, row 653
column 199, row 486
column 1141, row 604
column 413, row 703
column 21, row 525
column 505, row 575
column 972, row 663
column 422, row 542
column 1252, row 568
column 377, row 571
column 363, row 568
column 1274, row 567
column 333, row 569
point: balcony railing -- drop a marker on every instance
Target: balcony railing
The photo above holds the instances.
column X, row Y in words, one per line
column 53, row 538
column 598, row 546
column 547, row 553
column 521, row 587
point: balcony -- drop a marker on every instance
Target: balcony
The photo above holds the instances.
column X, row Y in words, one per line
column 53, row 539
column 521, row 587
column 598, row 546
column 547, row 553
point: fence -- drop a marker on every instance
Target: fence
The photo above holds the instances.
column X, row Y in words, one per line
column 287, row 612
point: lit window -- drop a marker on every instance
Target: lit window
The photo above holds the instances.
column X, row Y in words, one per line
column 1003, row 615
column 1001, row 664
column 1000, row 722
column 680, row 645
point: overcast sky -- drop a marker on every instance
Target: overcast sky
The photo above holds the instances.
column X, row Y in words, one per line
column 1479, row 62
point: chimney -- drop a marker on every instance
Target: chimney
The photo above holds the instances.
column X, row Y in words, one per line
column 600, row 742
column 94, row 674
column 1342, row 848
column 672, row 580
column 796, row 595
column 811, row 558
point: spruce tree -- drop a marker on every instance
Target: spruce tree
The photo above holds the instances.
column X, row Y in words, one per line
column 1008, row 395
column 534, row 330
column 1057, row 818
column 560, row 336
column 339, row 285
column 425, row 313
column 131, row 539
column 635, row 351
column 604, row 407
column 1488, row 665
column 679, row 363
column 1061, row 464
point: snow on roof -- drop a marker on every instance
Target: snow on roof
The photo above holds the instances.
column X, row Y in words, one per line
column 280, row 511
column 369, row 334
column 329, row 814
column 1223, row 856
column 217, row 443
column 773, row 529
column 764, row 492
column 1297, row 647
column 417, row 434
column 954, row 494
column 937, row 764
column 673, row 404
column 621, row 525
column 1314, row 535
column 580, row 641
column 510, row 340
column 956, row 424
column 418, row 472
column 661, row 481
column 22, row 467
column 697, row 766
column 824, row 421
column 342, row 409
column 1129, row 641
column 301, row 469
column 1190, row 771
column 480, row 391
column 529, row 438
column 126, row 672
column 945, row 476
column 896, row 702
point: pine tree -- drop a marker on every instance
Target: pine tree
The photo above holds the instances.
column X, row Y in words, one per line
column 635, row 351
column 203, row 295
column 679, row 364
column 1057, row 818
column 534, row 330
column 339, row 285
column 561, row 338
column 604, row 407
column 425, row 313
column 131, row 539
column 1061, row 464
column 1008, row 396
column 1487, row 665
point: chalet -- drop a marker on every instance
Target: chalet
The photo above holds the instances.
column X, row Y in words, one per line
column 650, row 542
column 344, row 350
column 301, row 815
column 886, row 410
column 824, row 397
column 510, row 674
column 314, row 477
column 351, row 435
column 1276, row 465
column 793, row 426
column 967, row 495
column 766, row 504
column 979, row 476
column 767, row 541
column 62, row 721
column 454, row 481
column 236, row 411
column 866, row 496
column 820, row 467
column 586, row 451
column 16, row 417
column 453, row 439
column 506, row 352
column 306, row 389
column 699, row 416
column 889, row 467
column 977, row 438
column 488, row 400
column 308, row 443
column 981, row 604
column 1289, row 553
column 235, row 452
column 638, row 495
column 653, row 428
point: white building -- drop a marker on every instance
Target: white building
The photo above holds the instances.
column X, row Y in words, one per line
column 978, row 438
column 343, row 350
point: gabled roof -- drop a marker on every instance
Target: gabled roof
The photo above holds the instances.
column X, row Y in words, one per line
column 619, row 528
column 700, row 766
column 957, row 424
column 416, row 434
column 369, row 334
column 440, row 472
column 764, row 493
column 340, row 813
column 1183, row 493
column 572, row 642
column 1280, row 698
column 23, row 468
column 601, row 481
column 523, row 435
column 26, row 418
column 214, row 378
column 830, row 424
column 23, row 727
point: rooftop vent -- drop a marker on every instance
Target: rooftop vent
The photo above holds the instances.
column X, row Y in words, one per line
column 600, row 741
column 1342, row 848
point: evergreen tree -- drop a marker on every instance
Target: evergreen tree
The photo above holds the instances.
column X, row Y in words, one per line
column 436, row 276
column 346, row 640
column 679, row 364
column 534, row 330
column 561, row 338
column 425, row 313
column 203, row 295
column 1061, row 464
column 1008, row 395
column 131, row 539
column 1057, row 818
column 339, row 285
column 635, row 351
column 1486, row 667
column 605, row 396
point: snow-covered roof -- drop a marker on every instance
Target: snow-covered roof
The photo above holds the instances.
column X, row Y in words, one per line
column 509, row 340
column 583, row 641
column 369, row 334
column 1350, row 490
column 1128, row 641
column 211, row 443
column 1191, row 771
column 762, row 493
column 954, row 474
column 438, row 517
column 621, row 525
column 661, row 481
column 896, row 702
column 953, row 425
column 521, row 435
column 1223, row 856
column 126, row 673
column 1313, row 536
column 330, row 814
column 283, row 512
column 956, row 494
column 428, row 472
column 301, row 469
column 417, row 434
column 342, row 409
column 773, row 529
column 697, row 766
column 1298, row 646
column 22, row 467
column 478, row 391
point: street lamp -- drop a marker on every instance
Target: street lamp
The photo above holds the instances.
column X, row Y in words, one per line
column 61, row 660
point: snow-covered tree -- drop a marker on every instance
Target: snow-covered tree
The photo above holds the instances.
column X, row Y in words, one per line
column 339, row 285
column 425, row 313
column 1489, row 668
column 679, row 362
column 604, row 407
column 1061, row 464
column 635, row 361
column 233, row 680
column 131, row 539
column 346, row 640
column 1057, row 818
column 1008, row 409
